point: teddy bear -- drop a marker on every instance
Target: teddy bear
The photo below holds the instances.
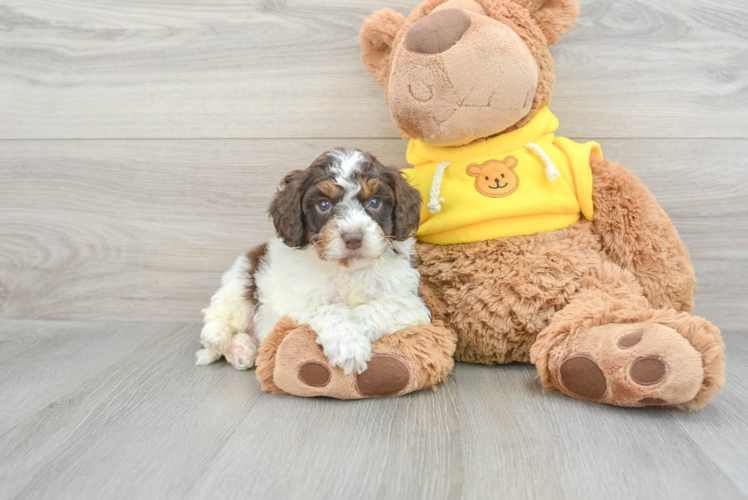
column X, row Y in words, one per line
column 534, row 248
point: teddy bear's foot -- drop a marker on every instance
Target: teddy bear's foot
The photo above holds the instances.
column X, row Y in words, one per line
column 675, row 360
column 637, row 364
column 292, row 362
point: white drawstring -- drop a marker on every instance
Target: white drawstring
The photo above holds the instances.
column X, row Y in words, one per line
column 436, row 186
column 550, row 170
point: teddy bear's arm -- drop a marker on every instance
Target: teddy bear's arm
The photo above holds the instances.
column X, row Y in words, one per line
column 638, row 235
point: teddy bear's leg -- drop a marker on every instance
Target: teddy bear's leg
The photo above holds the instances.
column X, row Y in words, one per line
column 290, row 361
column 637, row 234
column 608, row 346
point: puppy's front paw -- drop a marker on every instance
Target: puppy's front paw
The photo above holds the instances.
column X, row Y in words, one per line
column 348, row 352
column 366, row 318
column 216, row 337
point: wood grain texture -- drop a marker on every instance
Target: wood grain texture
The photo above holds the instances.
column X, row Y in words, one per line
column 521, row 443
column 142, row 230
column 143, row 425
column 710, row 429
column 385, row 448
column 143, row 422
column 32, row 354
column 291, row 69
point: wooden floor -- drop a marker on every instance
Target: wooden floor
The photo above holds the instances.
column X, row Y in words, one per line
column 140, row 142
column 117, row 410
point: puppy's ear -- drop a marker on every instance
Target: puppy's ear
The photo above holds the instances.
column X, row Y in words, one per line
column 407, row 212
column 554, row 17
column 285, row 209
column 376, row 39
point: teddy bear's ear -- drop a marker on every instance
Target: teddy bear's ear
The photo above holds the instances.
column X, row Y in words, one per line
column 473, row 170
column 377, row 37
column 554, row 17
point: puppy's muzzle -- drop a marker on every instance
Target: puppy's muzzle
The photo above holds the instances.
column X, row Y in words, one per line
column 353, row 241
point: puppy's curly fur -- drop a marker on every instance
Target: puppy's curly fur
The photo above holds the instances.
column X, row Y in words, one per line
column 342, row 263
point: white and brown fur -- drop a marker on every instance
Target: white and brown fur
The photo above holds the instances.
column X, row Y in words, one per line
column 342, row 263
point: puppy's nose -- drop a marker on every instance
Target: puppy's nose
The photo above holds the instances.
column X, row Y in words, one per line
column 437, row 32
column 353, row 240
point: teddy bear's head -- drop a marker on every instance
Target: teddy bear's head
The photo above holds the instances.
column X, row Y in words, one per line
column 458, row 70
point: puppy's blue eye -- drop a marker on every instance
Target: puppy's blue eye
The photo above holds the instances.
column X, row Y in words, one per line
column 324, row 205
column 374, row 203
column 486, row 178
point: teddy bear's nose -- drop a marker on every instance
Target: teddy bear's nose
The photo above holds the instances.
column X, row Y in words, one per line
column 437, row 32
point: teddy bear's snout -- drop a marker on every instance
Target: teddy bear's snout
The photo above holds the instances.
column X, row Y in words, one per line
column 437, row 32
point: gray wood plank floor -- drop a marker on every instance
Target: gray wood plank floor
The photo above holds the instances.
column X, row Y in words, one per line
column 118, row 411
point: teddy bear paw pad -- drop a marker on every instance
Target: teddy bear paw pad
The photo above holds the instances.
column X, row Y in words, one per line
column 647, row 371
column 386, row 375
column 629, row 340
column 582, row 377
column 315, row 374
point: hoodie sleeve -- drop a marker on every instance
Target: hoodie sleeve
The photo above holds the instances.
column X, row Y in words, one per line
column 579, row 158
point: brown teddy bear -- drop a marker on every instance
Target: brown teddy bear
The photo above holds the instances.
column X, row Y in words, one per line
column 534, row 248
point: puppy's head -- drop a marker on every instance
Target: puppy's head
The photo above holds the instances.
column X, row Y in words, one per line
column 347, row 205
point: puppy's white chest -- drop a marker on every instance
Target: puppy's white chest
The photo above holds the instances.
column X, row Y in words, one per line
column 357, row 295
column 351, row 291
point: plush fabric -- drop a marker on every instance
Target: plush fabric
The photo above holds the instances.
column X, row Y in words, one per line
column 437, row 33
column 530, row 202
column 265, row 362
column 380, row 30
column 456, row 72
column 499, row 294
column 689, row 348
column 409, row 360
column 449, row 97
column 637, row 235
column 600, row 304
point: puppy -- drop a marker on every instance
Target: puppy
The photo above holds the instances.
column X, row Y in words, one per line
column 342, row 263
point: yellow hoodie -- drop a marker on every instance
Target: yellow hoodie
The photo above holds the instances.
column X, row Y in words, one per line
column 525, row 182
